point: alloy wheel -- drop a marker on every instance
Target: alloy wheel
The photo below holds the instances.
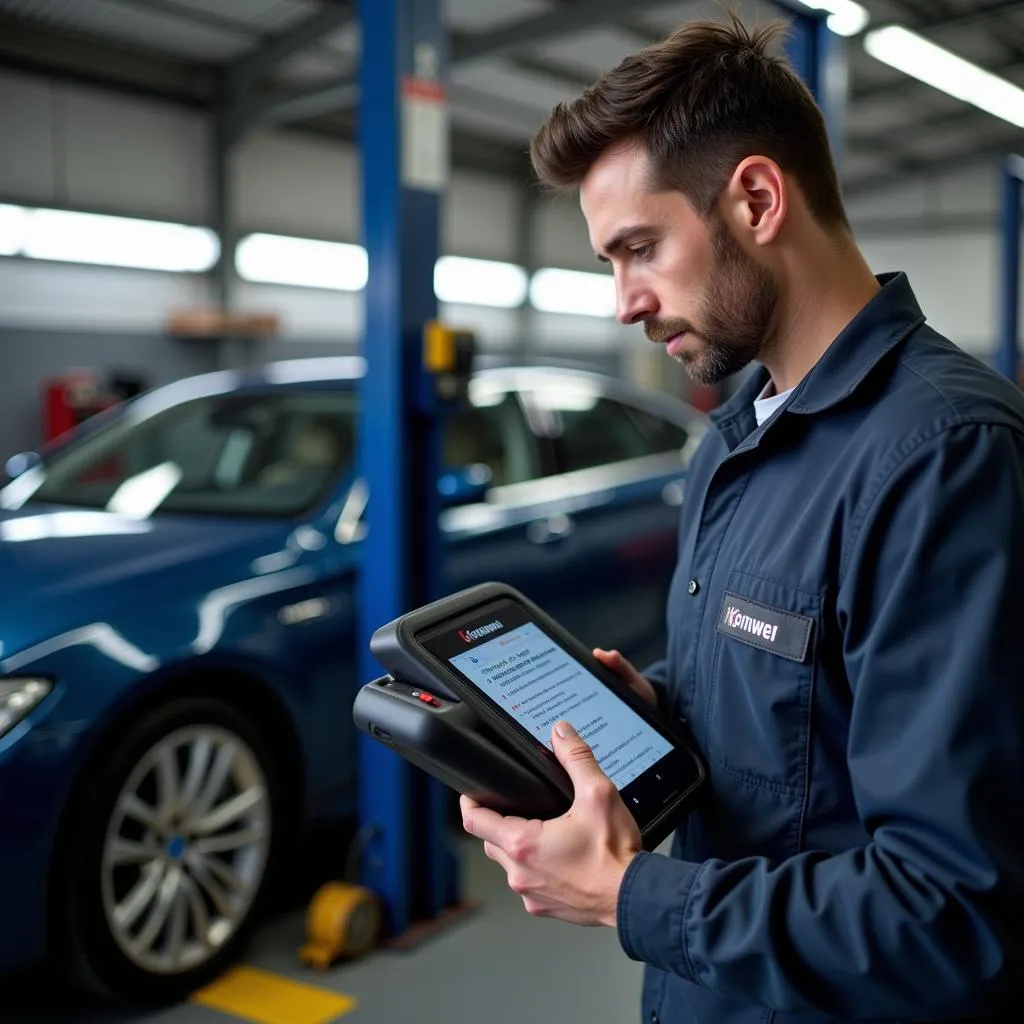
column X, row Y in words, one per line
column 185, row 849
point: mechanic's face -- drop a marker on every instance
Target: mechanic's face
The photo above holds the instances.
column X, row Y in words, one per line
column 687, row 280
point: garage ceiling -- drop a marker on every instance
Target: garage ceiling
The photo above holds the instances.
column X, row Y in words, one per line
column 512, row 60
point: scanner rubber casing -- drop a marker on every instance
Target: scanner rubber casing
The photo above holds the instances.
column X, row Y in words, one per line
column 452, row 744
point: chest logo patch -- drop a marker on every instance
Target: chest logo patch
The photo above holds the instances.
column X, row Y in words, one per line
column 771, row 629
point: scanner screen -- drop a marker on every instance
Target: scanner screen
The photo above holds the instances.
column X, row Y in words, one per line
column 538, row 683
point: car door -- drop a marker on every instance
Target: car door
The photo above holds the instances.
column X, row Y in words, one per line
column 618, row 487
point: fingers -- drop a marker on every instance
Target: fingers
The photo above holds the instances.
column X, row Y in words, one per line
column 515, row 836
column 482, row 822
column 577, row 758
column 628, row 673
column 617, row 663
column 498, row 855
column 517, row 849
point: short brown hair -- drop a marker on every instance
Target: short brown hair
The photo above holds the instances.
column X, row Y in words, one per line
column 698, row 103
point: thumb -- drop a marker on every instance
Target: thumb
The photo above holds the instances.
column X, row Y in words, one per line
column 575, row 755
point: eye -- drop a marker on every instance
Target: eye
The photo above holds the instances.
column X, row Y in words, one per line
column 643, row 251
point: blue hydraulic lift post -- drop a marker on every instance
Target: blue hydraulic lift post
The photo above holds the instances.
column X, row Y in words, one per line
column 1008, row 351
column 819, row 56
column 404, row 164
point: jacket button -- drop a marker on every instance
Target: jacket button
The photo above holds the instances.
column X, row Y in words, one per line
column 654, row 1017
column 693, row 587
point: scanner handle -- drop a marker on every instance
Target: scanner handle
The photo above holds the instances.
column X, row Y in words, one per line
column 447, row 740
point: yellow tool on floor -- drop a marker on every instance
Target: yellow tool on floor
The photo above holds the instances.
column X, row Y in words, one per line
column 343, row 920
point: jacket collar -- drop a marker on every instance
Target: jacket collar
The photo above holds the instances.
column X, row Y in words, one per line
column 884, row 321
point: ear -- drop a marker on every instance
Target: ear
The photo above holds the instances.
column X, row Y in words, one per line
column 756, row 199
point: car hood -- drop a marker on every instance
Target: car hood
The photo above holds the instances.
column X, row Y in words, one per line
column 62, row 567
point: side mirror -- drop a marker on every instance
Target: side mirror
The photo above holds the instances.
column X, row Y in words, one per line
column 21, row 463
column 465, row 485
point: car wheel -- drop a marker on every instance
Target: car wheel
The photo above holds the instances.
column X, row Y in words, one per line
column 175, row 838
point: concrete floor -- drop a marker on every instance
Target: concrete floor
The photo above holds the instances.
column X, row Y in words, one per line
column 497, row 965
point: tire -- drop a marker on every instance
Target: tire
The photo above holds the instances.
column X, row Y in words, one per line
column 173, row 842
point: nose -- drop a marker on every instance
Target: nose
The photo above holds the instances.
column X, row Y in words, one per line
column 633, row 302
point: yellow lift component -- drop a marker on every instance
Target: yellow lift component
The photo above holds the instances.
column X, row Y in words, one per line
column 449, row 353
column 343, row 920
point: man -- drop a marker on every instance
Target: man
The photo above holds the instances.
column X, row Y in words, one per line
column 860, row 850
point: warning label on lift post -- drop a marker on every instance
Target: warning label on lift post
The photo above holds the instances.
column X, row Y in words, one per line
column 424, row 133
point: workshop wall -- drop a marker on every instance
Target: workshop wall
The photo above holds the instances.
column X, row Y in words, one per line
column 31, row 355
column 944, row 232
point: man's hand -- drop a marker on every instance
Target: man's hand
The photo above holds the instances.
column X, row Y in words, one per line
column 627, row 672
column 569, row 867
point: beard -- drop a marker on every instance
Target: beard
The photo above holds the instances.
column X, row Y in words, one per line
column 735, row 322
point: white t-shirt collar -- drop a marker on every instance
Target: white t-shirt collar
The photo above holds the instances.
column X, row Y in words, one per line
column 768, row 401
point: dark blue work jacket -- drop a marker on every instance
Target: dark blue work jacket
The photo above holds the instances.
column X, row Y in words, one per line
column 846, row 635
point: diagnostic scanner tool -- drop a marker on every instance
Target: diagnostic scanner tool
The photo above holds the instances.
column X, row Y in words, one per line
column 476, row 682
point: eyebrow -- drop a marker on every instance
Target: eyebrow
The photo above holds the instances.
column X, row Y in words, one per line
column 619, row 239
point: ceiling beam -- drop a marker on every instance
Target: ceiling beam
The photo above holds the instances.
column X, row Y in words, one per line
column 933, row 17
column 543, row 28
column 512, row 111
column 265, row 57
column 893, row 140
column 73, row 58
column 922, row 10
column 1009, row 37
column 341, row 93
column 193, row 16
column 575, row 78
column 344, row 95
column 508, row 41
column 77, row 60
column 469, row 150
column 925, row 167
column 217, row 21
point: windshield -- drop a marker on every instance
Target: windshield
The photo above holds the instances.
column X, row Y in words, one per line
column 236, row 454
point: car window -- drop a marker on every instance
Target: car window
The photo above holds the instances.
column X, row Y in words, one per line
column 660, row 435
column 587, row 428
column 242, row 453
column 491, row 431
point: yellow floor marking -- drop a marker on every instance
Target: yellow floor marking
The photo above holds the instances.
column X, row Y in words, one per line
column 267, row 998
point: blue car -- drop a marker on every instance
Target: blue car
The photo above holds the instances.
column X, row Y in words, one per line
column 177, row 650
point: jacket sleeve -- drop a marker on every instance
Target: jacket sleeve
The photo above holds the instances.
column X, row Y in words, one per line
column 924, row 921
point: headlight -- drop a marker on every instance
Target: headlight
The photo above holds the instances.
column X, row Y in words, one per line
column 17, row 698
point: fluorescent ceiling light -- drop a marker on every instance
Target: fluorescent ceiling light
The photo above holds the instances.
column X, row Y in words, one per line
column 13, row 220
column 573, row 291
column 306, row 262
column 915, row 56
column 118, row 241
column 845, row 18
column 479, row 282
